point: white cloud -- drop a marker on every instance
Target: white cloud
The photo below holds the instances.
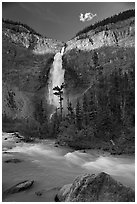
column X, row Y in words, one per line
column 87, row 16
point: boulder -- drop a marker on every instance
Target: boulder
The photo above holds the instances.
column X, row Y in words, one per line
column 63, row 193
column 95, row 188
column 22, row 186
column 13, row 160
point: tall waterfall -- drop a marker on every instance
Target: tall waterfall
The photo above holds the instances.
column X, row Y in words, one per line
column 56, row 77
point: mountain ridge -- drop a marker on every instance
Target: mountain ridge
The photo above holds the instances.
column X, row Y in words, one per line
column 102, row 23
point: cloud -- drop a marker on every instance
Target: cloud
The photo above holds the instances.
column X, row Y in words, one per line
column 87, row 16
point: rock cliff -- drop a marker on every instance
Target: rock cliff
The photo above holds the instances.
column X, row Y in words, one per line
column 22, row 36
column 27, row 58
column 121, row 34
column 114, row 45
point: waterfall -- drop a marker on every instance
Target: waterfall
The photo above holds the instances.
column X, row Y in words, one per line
column 56, row 77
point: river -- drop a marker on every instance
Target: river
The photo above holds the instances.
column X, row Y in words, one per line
column 52, row 167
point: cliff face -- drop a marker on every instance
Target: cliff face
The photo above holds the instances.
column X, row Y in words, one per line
column 26, row 61
column 120, row 34
column 113, row 45
column 23, row 37
column 27, row 58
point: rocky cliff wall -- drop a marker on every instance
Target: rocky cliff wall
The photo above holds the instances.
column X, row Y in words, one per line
column 122, row 35
column 26, row 62
column 38, row 44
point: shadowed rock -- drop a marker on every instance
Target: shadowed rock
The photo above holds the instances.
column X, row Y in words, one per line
column 95, row 188
column 22, row 186
column 13, row 161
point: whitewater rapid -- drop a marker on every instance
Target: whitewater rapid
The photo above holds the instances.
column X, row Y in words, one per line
column 120, row 167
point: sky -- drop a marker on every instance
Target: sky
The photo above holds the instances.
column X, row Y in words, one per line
column 60, row 20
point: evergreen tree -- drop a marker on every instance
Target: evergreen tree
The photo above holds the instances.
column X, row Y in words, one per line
column 78, row 116
column 59, row 93
column 85, row 110
column 114, row 96
column 41, row 118
column 71, row 114
column 91, row 107
column 39, row 112
column 124, row 92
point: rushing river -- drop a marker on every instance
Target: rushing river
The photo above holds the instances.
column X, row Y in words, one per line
column 52, row 167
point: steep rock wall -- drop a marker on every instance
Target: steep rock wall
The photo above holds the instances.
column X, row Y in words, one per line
column 26, row 62
column 114, row 46
column 122, row 35
column 36, row 43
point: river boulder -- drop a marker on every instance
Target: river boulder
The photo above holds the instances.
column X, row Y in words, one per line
column 13, row 160
column 22, row 186
column 95, row 188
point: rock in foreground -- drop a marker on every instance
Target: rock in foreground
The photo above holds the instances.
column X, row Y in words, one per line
column 19, row 187
column 95, row 188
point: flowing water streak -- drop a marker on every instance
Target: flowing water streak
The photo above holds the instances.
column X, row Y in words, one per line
column 56, row 77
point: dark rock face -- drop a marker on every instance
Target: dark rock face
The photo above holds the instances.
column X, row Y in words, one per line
column 95, row 188
column 19, row 187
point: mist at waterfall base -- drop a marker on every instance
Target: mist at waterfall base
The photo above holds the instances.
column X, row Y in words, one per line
column 52, row 167
column 56, row 78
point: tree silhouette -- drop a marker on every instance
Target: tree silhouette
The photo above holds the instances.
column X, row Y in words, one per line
column 71, row 114
column 78, row 115
column 85, row 110
column 59, row 93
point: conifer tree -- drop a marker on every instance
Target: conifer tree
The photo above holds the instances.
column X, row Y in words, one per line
column 91, row 107
column 85, row 110
column 78, row 116
column 59, row 93
column 71, row 114
column 39, row 113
